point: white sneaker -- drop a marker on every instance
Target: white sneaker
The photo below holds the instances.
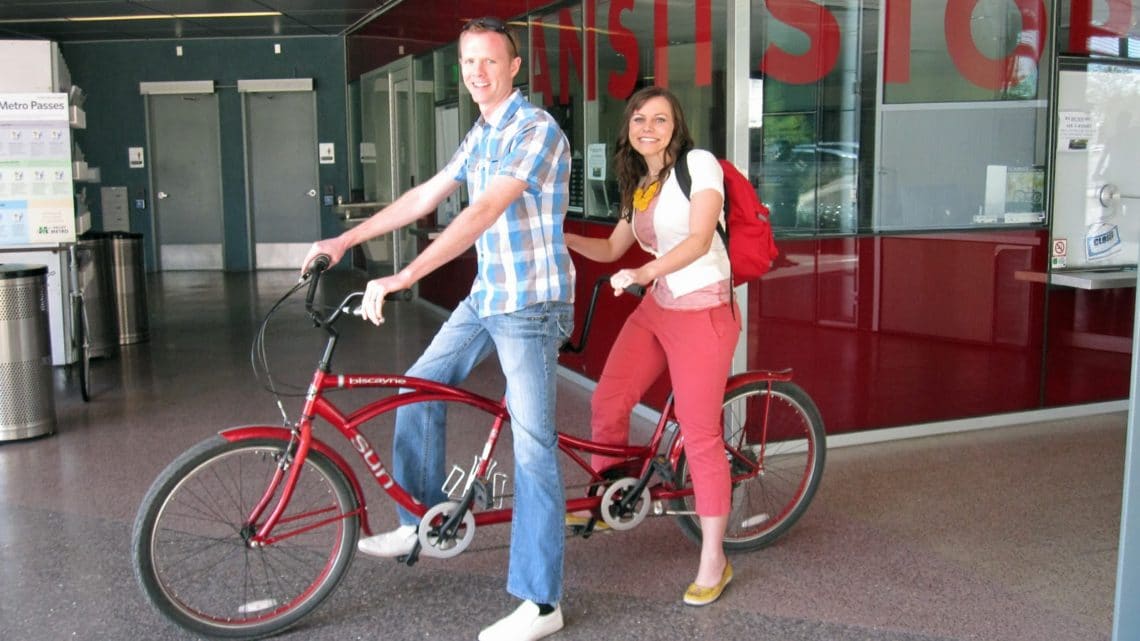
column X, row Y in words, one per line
column 524, row 624
column 398, row 542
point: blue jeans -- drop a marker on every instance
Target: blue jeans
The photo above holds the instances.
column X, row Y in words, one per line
column 527, row 343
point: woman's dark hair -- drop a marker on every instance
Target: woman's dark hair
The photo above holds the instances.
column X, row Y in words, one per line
column 629, row 166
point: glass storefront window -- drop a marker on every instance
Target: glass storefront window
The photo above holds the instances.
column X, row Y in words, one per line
column 919, row 138
column 933, row 116
column 556, row 67
column 806, row 134
column 945, row 51
column 1097, row 28
column 964, row 120
column 374, row 128
column 587, row 58
column 445, row 61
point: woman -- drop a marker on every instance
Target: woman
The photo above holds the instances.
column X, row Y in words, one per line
column 688, row 304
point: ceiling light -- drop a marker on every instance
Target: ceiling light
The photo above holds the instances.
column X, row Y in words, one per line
column 154, row 16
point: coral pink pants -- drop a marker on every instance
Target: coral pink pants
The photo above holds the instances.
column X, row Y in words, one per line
column 696, row 347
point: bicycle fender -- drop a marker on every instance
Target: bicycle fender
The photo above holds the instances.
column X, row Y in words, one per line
column 281, row 434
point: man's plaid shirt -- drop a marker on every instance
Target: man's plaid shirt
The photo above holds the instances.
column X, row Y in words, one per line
column 523, row 257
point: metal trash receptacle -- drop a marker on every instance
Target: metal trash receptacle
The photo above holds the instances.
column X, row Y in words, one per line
column 128, row 283
column 27, row 396
column 92, row 255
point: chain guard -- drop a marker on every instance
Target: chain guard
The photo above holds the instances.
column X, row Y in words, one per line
column 612, row 497
column 433, row 544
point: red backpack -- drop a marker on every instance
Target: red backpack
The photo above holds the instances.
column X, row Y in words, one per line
column 749, row 240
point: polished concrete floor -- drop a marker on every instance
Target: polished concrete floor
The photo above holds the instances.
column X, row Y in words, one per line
column 1007, row 534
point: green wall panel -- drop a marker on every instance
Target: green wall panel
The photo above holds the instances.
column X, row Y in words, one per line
column 110, row 73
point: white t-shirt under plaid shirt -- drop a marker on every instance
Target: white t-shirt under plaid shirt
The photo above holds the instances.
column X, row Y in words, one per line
column 523, row 257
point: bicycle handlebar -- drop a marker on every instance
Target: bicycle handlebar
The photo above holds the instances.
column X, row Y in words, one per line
column 322, row 262
column 358, row 310
column 569, row 346
column 313, row 272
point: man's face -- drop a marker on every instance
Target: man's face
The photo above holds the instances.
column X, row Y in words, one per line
column 488, row 68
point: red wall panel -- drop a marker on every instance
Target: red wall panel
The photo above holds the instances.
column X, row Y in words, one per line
column 907, row 329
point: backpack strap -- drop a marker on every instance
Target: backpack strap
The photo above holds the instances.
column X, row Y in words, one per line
column 685, row 180
column 683, row 177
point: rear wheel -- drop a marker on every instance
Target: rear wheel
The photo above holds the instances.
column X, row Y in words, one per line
column 190, row 540
column 775, row 471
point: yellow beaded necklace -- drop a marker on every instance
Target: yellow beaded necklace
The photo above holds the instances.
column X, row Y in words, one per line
column 642, row 196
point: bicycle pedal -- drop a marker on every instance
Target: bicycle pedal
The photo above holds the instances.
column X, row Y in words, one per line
column 582, row 531
column 586, row 531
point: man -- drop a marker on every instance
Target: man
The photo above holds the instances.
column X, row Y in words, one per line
column 516, row 163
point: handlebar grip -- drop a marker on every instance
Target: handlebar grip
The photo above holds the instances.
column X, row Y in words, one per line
column 319, row 264
column 402, row 295
column 572, row 348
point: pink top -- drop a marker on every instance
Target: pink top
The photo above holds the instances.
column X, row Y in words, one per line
column 709, row 296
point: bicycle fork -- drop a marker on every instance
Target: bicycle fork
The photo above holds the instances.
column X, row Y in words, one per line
column 289, row 465
column 284, row 480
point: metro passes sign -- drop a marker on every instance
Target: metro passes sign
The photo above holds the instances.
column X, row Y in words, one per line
column 822, row 29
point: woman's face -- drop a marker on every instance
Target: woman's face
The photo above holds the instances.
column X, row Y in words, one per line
column 651, row 128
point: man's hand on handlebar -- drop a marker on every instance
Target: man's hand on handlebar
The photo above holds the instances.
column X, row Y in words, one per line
column 330, row 248
column 372, row 305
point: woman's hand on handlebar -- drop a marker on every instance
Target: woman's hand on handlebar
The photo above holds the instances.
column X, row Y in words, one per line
column 330, row 247
column 627, row 278
column 372, row 305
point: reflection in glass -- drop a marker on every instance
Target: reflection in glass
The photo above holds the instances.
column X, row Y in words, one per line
column 989, row 50
column 806, row 153
column 583, row 77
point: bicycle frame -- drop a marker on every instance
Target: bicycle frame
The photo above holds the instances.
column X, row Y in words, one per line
column 245, row 534
column 639, row 458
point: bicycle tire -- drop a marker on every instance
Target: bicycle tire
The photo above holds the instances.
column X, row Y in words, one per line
column 192, row 562
column 83, row 364
column 766, row 505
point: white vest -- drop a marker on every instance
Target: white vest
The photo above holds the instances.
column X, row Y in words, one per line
column 671, row 225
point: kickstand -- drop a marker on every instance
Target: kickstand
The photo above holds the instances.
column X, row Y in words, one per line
column 411, row 557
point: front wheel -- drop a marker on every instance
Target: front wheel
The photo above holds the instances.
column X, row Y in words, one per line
column 776, row 470
column 190, row 542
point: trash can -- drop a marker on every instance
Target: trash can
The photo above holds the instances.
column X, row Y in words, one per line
column 27, row 397
column 95, row 282
column 128, row 283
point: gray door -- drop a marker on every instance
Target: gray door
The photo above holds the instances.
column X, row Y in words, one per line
column 281, row 167
column 183, row 135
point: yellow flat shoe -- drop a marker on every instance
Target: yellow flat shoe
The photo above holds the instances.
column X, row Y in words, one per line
column 700, row 595
column 577, row 520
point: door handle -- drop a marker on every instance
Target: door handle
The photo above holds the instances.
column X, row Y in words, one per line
column 162, row 195
column 1109, row 194
column 312, row 193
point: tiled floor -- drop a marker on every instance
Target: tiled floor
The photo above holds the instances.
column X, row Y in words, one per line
column 1007, row 534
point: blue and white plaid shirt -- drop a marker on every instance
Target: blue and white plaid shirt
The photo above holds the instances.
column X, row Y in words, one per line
column 523, row 259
